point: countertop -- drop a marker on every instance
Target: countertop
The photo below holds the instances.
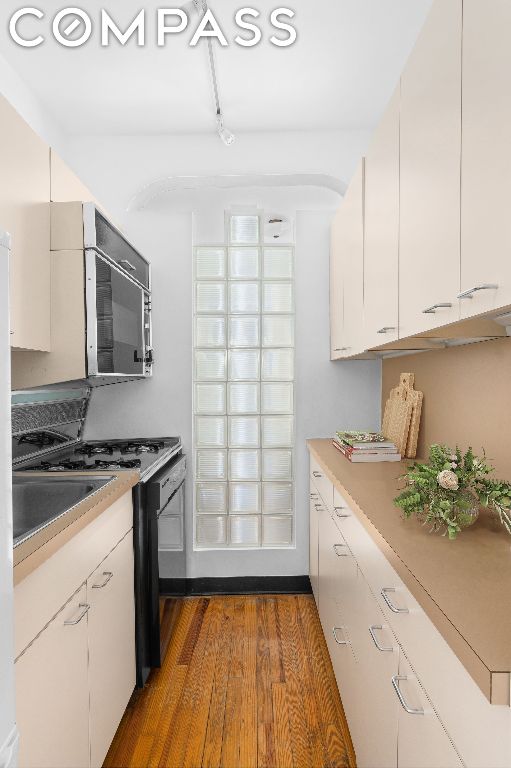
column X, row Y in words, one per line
column 29, row 555
column 464, row 586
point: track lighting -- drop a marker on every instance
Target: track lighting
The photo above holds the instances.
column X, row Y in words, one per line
column 227, row 137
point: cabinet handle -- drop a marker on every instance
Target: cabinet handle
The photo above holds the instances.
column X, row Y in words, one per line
column 395, row 684
column 393, row 608
column 433, row 309
column 340, row 554
column 372, row 632
column 128, row 265
column 342, row 349
column 386, row 329
column 319, row 506
column 339, row 642
column 340, row 514
column 85, row 610
column 476, row 288
column 317, row 474
column 108, row 575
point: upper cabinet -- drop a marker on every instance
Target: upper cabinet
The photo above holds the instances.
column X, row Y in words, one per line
column 25, row 214
column 381, row 232
column 486, row 157
column 430, row 145
column 347, row 272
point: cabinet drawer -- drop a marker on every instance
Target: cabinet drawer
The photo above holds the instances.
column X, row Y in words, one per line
column 39, row 596
column 322, row 484
column 341, row 653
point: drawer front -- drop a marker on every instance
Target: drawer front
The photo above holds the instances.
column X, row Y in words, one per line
column 322, row 484
column 40, row 595
column 341, row 654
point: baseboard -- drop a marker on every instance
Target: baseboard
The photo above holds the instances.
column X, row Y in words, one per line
column 236, row 585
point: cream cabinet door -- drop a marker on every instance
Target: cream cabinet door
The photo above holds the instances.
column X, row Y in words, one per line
column 111, row 645
column 430, row 146
column 486, row 157
column 422, row 740
column 381, row 231
column 25, row 214
column 314, row 514
column 336, row 287
column 52, row 692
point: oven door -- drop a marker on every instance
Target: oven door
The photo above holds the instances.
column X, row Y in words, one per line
column 115, row 320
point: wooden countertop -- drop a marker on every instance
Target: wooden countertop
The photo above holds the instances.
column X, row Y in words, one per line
column 29, row 555
column 464, row 586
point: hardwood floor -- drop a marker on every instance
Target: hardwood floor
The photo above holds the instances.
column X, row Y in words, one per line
column 246, row 683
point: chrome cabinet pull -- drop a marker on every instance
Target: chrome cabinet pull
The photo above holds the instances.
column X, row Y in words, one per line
column 386, row 329
column 372, row 632
column 108, row 575
column 340, row 514
column 393, row 608
column 484, row 287
column 433, row 309
column 318, row 506
column 339, row 642
column 85, row 610
column 317, row 474
column 395, row 684
column 128, row 265
column 340, row 554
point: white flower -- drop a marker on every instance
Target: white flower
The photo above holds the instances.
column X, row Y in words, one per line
column 454, row 465
column 448, row 480
column 453, row 457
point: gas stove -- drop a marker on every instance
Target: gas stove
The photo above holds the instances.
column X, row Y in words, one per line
column 146, row 455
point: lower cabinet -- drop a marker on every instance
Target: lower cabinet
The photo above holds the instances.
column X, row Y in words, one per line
column 74, row 680
column 314, row 542
column 52, row 692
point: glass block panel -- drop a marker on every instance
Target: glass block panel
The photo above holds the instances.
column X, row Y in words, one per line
column 277, row 431
column 245, row 465
column 244, row 331
column 244, row 230
column 211, row 465
column 210, row 297
column 210, row 331
column 211, row 497
column 243, row 298
column 210, row 431
column 210, row 399
column 277, row 398
column 277, row 530
column 243, row 398
column 244, row 263
column 277, row 465
column 277, row 498
column 210, row 366
column 209, row 263
column 244, row 530
column 211, row 530
column 244, row 432
column 244, row 364
column 278, row 365
column 278, row 331
column 278, row 263
column 278, row 298
column 244, row 498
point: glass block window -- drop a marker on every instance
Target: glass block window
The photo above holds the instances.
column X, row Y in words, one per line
column 244, row 304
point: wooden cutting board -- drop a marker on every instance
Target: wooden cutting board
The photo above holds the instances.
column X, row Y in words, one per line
column 401, row 419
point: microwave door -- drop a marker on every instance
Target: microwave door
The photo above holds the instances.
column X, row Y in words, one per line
column 119, row 323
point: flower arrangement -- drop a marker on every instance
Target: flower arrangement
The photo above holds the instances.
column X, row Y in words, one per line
column 448, row 492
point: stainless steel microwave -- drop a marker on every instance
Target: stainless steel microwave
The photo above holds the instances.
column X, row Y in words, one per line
column 118, row 301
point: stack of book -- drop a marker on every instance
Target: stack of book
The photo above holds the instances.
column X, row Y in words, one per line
column 361, row 447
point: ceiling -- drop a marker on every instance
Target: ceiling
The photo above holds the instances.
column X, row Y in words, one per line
column 338, row 75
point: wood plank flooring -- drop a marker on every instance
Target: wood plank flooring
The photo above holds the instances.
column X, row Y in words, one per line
column 246, row 683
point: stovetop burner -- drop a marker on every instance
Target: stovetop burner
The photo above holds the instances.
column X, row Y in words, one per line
column 141, row 447
column 118, row 464
column 89, row 449
column 41, row 439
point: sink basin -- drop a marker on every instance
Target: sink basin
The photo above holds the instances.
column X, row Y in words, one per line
column 38, row 501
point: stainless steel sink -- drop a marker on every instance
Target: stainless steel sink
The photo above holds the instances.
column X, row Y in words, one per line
column 38, row 501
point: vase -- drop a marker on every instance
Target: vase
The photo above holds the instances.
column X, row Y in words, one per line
column 467, row 511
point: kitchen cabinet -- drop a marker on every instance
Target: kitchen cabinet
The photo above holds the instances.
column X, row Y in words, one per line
column 52, row 694
column 381, row 231
column 430, row 149
column 336, row 287
column 486, row 157
column 347, row 271
column 314, row 543
column 111, row 645
column 25, row 214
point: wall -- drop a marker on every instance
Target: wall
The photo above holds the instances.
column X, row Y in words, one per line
column 466, row 397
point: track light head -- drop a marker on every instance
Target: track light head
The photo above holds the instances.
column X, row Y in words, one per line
column 227, row 137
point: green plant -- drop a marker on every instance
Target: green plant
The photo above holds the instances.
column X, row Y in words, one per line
column 447, row 492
